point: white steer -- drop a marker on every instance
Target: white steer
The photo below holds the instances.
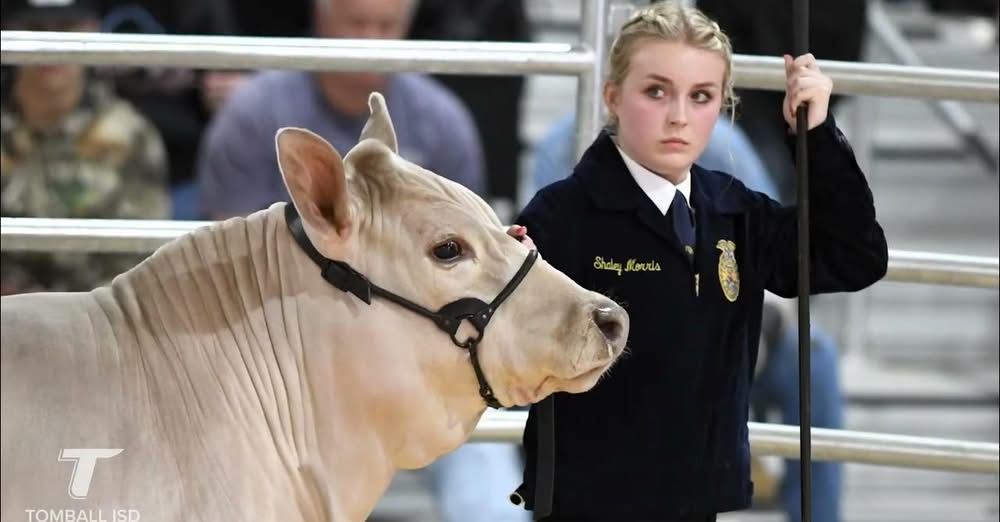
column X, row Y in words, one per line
column 283, row 366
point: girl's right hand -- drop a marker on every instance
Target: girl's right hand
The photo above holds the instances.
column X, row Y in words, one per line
column 520, row 233
column 806, row 84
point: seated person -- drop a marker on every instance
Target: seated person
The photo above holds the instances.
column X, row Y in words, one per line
column 237, row 169
column 70, row 149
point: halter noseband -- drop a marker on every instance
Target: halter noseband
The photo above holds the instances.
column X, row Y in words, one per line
column 448, row 318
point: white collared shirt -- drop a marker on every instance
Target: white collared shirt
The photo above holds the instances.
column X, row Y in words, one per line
column 657, row 188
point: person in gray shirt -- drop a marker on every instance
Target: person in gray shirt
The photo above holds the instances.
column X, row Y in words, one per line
column 237, row 168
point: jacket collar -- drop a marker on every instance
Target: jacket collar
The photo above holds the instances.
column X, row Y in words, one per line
column 605, row 178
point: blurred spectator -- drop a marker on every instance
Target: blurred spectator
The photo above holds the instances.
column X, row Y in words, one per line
column 238, row 172
column 495, row 101
column 69, row 148
column 179, row 102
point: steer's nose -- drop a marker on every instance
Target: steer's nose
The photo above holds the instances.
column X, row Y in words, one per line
column 612, row 320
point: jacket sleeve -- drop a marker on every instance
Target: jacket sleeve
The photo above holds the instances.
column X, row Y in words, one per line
column 848, row 250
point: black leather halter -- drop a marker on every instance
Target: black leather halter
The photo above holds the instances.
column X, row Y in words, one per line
column 448, row 318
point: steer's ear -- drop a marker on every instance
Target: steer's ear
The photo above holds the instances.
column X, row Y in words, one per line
column 314, row 175
column 379, row 124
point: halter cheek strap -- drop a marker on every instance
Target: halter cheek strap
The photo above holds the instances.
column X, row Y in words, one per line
column 449, row 318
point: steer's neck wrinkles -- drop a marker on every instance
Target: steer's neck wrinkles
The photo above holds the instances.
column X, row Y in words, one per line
column 268, row 358
column 223, row 353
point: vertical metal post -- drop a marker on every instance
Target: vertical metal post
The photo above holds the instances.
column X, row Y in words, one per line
column 800, row 20
column 593, row 36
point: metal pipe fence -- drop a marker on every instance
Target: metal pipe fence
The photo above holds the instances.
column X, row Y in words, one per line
column 144, row 236
column 830, row 445
column 584, row 61
column 589, row 101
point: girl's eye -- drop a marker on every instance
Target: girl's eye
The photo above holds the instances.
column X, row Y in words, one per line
column 701, row 97
column 448, row 251
column 655, row 92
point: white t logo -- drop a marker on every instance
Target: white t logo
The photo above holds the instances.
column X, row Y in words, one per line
column 85, row 460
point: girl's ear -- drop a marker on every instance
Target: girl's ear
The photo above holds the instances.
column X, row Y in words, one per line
column 612, row 99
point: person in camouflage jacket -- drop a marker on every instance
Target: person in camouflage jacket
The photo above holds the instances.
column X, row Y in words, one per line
column 70, row 149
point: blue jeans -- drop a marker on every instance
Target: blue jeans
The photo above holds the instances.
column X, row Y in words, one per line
column 777, row 386
column 474, row 482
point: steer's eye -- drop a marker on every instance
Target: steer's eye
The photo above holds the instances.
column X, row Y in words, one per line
column 448, row 251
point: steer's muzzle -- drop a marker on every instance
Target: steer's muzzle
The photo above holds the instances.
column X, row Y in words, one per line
column 612, row 321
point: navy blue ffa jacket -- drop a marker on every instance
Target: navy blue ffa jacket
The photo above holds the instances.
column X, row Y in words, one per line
column 664, row 434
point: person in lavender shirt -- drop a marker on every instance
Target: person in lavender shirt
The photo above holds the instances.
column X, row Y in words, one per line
column 237, row 167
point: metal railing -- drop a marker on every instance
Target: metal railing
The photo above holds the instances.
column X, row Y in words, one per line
column 310, row 54
column 834, row 445
column 90, row 235
column 231, row 52
column 586, row 61
column 144, row 236
column 943, row 269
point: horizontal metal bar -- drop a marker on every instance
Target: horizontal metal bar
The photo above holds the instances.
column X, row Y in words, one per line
column 827, row 445
column 878, row 448
column 230, row 52
column 234, row 52
column 143, row 236
column 877, row 79
column 943, row 269
column 90, row 235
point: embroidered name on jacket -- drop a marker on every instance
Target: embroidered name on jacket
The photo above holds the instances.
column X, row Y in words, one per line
column 631, row 265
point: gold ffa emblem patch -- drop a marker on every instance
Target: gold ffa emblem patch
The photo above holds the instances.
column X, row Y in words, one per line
column 729, row 272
